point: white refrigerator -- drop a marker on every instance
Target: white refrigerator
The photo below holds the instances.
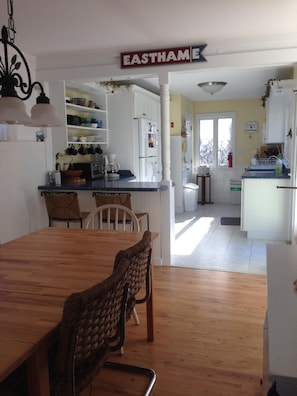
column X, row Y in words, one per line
column 148, row 167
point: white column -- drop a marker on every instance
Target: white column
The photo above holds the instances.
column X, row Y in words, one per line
column 165, row 124
column 293, row 159
column 167, row 196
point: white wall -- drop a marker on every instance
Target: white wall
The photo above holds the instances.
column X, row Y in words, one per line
column 23, row 166
column 220, row 183
column 22, row 169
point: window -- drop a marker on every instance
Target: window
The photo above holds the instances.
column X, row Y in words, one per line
column 215, row 138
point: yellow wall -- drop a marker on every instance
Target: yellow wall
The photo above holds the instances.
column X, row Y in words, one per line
column 179, row 105
column 246, row 110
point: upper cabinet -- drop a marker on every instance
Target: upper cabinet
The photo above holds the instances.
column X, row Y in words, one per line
column 146, row 104
column 278, row 112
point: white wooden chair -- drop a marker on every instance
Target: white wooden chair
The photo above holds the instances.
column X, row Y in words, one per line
column 125, row 199
column 112, row 217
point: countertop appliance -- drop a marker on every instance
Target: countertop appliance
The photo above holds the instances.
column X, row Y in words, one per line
column 91, row 170
column 146, row 134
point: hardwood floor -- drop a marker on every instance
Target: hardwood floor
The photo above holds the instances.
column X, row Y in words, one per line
column 209, row 337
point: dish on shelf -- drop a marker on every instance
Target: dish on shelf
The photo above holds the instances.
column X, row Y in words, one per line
column 73, row 120
column 73, row 138
column 95, row 138
column 79, row 101
column 90, row 124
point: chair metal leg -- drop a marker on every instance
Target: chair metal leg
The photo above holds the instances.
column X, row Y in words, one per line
column 150, row 373
column 135, row 316
column 148, row 221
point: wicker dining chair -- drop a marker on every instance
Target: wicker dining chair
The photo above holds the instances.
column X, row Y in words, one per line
column 139, row 273
column 91, row 321
column 124, row 199
column 112, row 217
column 63, row 207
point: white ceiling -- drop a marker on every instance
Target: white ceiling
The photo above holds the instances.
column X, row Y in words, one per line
column 57, row 27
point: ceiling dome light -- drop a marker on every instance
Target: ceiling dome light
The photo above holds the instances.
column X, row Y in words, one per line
column 212, row 87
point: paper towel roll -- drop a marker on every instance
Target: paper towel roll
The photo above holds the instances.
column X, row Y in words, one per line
column 57, row 176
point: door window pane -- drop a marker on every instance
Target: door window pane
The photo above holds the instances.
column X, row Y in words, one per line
column 206, row 142
column 224, row 140
column 215, row 138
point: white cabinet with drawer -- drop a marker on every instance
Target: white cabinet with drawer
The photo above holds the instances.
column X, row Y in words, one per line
column 265, row 208
column 278, row 112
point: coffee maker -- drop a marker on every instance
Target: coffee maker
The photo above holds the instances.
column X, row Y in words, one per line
column 111, row 167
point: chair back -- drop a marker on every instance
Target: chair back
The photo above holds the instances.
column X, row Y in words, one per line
column 113, row 198
column 112, row 217
column 62, row 205
column 139, row 271
column 124, row 199
column 91, row 319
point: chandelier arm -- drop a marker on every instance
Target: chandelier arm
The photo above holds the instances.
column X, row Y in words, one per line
column 16, row 84
column 10, row 78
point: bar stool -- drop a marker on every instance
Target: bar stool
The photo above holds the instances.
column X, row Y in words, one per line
column 63, row 207
column 124, row 199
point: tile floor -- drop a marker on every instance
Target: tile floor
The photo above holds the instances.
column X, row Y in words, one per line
column 202, row 242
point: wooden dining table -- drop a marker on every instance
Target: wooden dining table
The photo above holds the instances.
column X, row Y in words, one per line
column 38, row 272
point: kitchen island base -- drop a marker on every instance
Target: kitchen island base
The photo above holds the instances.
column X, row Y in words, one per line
column 155, row 198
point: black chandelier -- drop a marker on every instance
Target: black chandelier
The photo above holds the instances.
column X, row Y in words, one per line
column 17, row 86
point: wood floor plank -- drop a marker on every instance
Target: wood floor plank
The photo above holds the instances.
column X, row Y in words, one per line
column 209, row 337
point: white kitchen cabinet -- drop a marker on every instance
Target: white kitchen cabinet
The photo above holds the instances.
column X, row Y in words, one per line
column 265, row 208
column 278, row 112
column 125, row 105
column 146, row 104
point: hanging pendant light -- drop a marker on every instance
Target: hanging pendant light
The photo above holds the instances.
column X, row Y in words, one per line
column 43, row 113
column 212, row 87
column 17, row 87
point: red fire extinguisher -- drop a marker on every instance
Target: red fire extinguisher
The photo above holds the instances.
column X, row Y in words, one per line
column 230, row 160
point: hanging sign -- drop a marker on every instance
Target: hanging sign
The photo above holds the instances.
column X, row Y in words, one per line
column 168, row 56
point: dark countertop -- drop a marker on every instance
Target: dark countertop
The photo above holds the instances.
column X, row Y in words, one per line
column 264, row 175
column 125, row 184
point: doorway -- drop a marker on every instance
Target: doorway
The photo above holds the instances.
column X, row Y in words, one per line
column 202, row 242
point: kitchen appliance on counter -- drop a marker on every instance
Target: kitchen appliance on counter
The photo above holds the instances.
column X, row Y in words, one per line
column 112, row 167
column 91, row 170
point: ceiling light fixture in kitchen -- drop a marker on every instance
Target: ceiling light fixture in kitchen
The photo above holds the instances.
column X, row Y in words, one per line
column 17, row 86
column 212, row 87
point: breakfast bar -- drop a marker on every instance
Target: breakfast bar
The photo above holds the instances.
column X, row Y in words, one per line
column 146, row 197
